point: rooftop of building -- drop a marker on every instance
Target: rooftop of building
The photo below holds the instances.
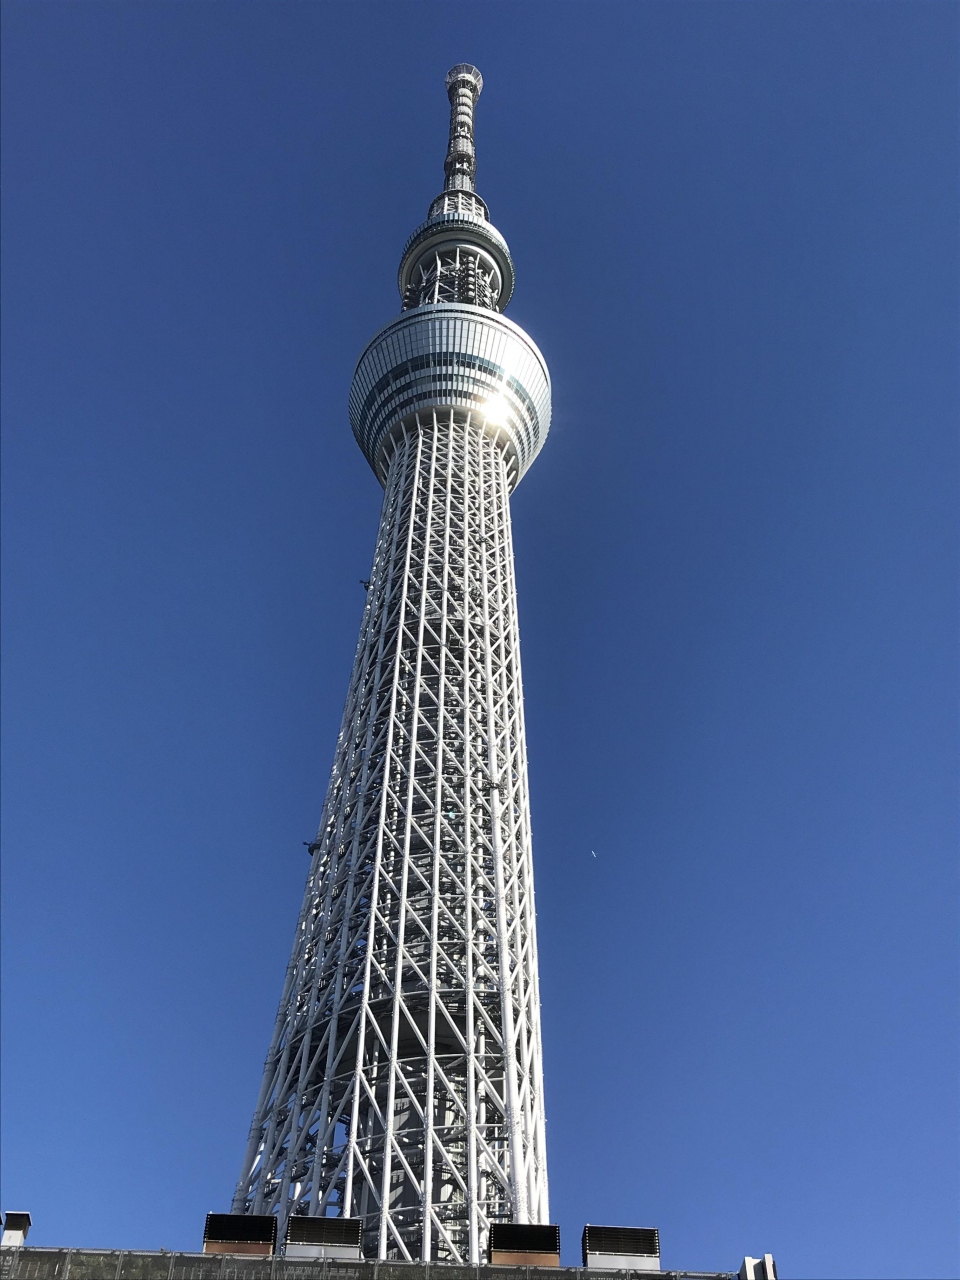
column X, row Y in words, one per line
column 28, row 1263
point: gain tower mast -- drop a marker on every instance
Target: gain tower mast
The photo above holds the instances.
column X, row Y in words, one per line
column 404, row 1081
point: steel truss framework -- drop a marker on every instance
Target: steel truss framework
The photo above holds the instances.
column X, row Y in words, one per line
column 404, row 1082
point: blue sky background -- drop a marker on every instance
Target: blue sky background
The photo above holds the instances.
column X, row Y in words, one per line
column 735, row 233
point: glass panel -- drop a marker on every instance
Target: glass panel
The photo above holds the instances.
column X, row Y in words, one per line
column 38, row 1264
column 196, row 1266
column 90, row 1265
column 144, row 1266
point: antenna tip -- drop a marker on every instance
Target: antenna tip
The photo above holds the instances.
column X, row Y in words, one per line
column 463, row 74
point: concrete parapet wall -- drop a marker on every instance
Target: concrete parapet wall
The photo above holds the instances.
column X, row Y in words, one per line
column 97, row 1264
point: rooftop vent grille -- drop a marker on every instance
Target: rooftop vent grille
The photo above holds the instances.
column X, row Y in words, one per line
column 643, row 1241
column 524, row 1237
column 330, row 1231
column 241, row 1228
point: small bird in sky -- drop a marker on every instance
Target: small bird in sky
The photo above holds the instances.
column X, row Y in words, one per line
column 593, row 853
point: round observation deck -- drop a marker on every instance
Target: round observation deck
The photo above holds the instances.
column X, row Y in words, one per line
column 452, row 356
column 445, row 231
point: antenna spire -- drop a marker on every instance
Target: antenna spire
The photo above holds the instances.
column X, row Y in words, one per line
column 464, row 84
column 458, row 255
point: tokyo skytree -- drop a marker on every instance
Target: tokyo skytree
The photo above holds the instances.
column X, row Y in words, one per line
column 404, row 1081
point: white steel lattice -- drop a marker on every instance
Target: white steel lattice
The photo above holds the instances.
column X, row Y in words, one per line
column 404, row 1082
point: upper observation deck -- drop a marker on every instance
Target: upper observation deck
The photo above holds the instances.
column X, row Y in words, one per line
column 451, row 348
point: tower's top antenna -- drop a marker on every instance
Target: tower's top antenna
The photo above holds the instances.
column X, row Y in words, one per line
column 458, row 255
column 464, row 84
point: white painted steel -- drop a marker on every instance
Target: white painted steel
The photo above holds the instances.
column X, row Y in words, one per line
column 404, row 1082
column 453, row 355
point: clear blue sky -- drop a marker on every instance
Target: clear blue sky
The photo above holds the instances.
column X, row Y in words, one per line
column 735, row 233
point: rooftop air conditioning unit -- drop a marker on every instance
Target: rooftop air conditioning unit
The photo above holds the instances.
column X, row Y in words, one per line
column 759, row 1268
column 337, row 1238
column 524, row 1244
column 15, row 1228
column 622, row 1248
column 253, row 1233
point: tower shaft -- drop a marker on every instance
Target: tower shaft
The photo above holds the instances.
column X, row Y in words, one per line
column 404, row 1081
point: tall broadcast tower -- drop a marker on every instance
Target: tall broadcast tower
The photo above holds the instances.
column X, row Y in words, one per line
column 404, row 1081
